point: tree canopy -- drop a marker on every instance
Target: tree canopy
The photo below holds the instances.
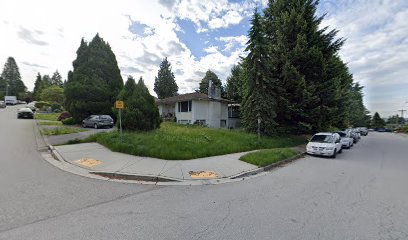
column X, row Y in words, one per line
column 165, row 84
column 95, row 81
column 10, row 81
column 377, row 121
column 141, row 112
column 293, row 73
column 209, row 75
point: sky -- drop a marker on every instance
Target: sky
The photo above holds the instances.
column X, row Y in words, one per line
column 196, row 36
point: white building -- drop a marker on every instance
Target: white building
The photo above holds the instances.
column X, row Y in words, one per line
column 207, row 109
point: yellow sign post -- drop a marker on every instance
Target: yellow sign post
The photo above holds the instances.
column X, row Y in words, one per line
column 120, row 105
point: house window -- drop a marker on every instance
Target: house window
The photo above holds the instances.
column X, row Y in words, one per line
column 200, row 122
column 183, row 121
column 185, row 106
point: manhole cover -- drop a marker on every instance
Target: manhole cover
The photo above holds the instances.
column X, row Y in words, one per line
column 88, row 162
column 203, row 174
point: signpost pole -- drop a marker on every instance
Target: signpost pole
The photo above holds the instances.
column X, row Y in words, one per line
column 120, row 105
column 120, row 121
column 259, row 129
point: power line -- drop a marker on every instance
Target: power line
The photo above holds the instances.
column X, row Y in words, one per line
column 402, row 112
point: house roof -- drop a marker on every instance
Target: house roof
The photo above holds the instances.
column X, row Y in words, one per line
column 188, row 97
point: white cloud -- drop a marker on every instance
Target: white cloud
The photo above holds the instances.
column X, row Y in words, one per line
column 231, row 41
column 376, row 47
column 231, row 18
column 45, row 34
column 214, row 14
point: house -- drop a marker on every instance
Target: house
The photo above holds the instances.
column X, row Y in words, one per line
column 207, row 109
column 234, row 115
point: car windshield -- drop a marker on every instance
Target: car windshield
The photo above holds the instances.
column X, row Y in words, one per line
column 105, row 117
column 322, row 138
column 342, row 134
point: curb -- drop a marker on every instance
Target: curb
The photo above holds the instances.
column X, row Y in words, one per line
column 269, row 167
column 42, row 142
column 145, row 178
column 159, row 180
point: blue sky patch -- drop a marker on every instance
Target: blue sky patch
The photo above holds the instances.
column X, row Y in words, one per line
column 140, row 29
column 198, row 42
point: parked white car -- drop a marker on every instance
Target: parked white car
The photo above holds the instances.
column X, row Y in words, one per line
column 31, row 106
column 347, row 141
column 324, row 144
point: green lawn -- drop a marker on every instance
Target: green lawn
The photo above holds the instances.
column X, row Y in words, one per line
column 181, row 142
column 60, row 131
column 266, row 157
column 50, row 123
column 47, row 116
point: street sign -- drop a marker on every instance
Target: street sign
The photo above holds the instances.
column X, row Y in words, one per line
column 119, row 105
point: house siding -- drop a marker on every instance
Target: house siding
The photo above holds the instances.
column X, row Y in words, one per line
column 213, row 112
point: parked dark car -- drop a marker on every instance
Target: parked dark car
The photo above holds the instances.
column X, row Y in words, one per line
column 97, row 121
column 363, row 131
column 25, row 113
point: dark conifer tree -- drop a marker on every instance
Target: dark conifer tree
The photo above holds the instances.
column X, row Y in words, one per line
column 164, row 84
column 259, row 101
column 95, row 81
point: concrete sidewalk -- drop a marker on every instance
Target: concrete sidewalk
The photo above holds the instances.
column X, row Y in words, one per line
column 98, row 159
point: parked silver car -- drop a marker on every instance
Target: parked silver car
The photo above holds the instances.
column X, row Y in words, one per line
column 2, row 104
column 346, row 140
column 97, row 121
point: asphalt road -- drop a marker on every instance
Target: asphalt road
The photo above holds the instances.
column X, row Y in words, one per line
column 362, row 194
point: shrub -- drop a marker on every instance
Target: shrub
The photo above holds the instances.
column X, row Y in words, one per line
column 63, row 116
column 42, row 105
column 56, row 106
column 140, row 112
column 68, row 121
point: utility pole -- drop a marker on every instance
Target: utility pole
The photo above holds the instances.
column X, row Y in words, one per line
column 402, row 113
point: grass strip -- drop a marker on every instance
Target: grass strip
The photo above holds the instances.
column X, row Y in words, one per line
column 50, row 123
column 61, row 131
column 266, row 157
column 182, row 142
column 47, row 116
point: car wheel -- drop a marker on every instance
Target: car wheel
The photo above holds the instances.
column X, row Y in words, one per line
column 334, row 153
column 96, row 126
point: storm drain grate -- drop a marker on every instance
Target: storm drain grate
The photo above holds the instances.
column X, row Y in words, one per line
column 203, row 174
column 88, row 162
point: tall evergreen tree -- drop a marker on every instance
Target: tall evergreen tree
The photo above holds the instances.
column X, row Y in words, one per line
column 260, row 99
column 209, row 75
column 235, row 83
column 377, row 121
column 46, row 81
column 2, row 87
column 56, row 79
column 358, row 114
column 164, row 84
column 38, row 86
column 304, row 60
column 95, row 81
column 12, row 83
